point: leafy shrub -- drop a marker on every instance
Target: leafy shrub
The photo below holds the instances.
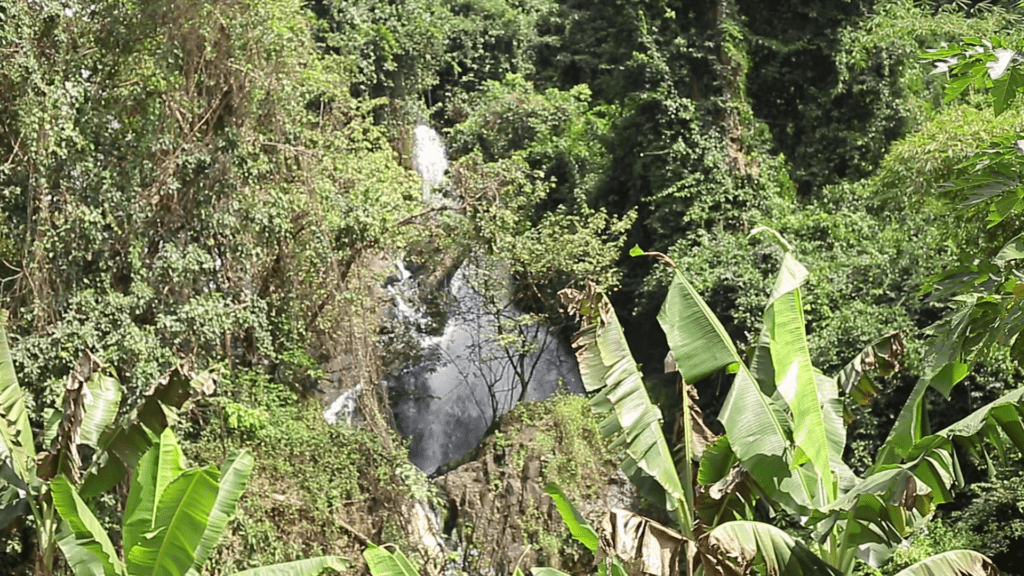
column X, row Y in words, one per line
column 313, row 483
column 936, row 538
column 567, row 442
column 995, row 517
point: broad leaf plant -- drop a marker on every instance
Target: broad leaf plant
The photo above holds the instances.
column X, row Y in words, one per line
column 784, row 439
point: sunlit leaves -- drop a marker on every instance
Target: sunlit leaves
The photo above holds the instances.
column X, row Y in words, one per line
column 173, row 519
column 990, row 181
column 580, row 529
column 632, row 421
column 984, row 64
column 383, row 562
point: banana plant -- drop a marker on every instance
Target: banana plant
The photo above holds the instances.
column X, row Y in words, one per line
column 632, row 544
column 92, row 398
column 383, row 562
column 172, row 520
column 784, row 441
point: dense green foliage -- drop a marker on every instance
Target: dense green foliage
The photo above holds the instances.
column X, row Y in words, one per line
column 312, row 483
column 220, row 184
column 174, row 517
column 184, row 181
column 784, row 440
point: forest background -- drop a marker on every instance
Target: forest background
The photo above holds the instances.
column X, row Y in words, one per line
column 224, row 183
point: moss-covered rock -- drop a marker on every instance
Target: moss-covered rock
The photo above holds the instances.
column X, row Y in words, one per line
column 315, row 489
column 324, row 489
column 498, row 515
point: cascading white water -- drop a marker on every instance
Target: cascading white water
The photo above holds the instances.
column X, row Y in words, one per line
column 429, row 158
column 462, row 377
column 469, row 378
column 345, row 408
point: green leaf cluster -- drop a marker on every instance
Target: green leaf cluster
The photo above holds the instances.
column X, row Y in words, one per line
column 172, row 520
column 785, row 436
column 88, row 423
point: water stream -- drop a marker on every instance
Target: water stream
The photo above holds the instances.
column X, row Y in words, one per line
column 469, row 375
column 468, row 372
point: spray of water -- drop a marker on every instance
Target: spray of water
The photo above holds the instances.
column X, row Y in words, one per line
column 345, row 408
column 429, row 158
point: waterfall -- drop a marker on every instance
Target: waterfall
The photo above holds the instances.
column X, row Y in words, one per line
column 460, row 377
column 345, row 408
column 429, row 158
column 467, row 378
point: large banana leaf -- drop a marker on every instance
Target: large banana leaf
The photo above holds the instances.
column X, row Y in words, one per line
column 91, row 400
column 121, row 446
column 757, row 426
column 871, row 531
column 795, row 377
column 85, row 543
column 234, row 475
column 307, row 567
column 101, row 405
column 181, row 518
column 832, row 409
column 580, row 529
column 16, row 440
column 157, row 468
column 698, row 341
column 1004, row 414
column 383, row 562
column 607, row 365
column 953, row 563
column 170, row 464
column 918, row 484
column 751, row 543
column 880, row 511
column 79, row 559
column 701, row 346
column 945, row 370
column 934, row 464
column 726, row 489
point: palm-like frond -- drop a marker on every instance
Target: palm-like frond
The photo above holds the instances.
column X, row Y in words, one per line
column 83, row 541
column 752, row 543
column 307, row 567
column 383, row 562
column 16, row 440
column 607, row 367
column 953, row 563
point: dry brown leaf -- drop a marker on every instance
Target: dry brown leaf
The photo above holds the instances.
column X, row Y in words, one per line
column 655, row 549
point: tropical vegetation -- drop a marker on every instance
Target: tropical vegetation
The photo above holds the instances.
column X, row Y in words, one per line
column 784, row 441
column 173, row 518
column 202, row 203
